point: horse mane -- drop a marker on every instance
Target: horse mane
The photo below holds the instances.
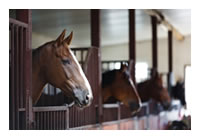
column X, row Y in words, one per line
column 148, row 81
column 108, row 77
column 36, row 52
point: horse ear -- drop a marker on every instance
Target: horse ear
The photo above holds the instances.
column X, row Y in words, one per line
column 154, row 73
column 61, row 37
column 123, row 67
column 69, row 38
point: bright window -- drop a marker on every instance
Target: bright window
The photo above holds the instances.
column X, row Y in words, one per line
column 188, row 88
column 141, row 71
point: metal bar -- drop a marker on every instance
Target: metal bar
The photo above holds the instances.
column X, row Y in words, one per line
column 147, row 116
column 86, row 116
column 24, row 56
column 114, row 105
column 48, row 127
column 56, row 118
column 17, row 76
column 50, row 108
column 50, row 120
column 53, row 120
column 40, row 123
column 58, row 113
column 119, row 111
column 81, row 117
column 60, row 122
column 154, row 42
column 12, row 78
column 45, row 121
column 132, row 44
column 63, row 120
column 75, row 117
column 37, row 120
column 78, row 117
column 67, row 118
column 72, row 117
column 21, row 68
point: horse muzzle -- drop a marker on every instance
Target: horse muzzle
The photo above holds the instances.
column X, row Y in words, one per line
column 82, row 98
column 166, row 105
column 135, row 107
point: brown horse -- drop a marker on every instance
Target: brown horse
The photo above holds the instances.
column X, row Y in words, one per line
column 153, row 89
column 118, row 84
column 55, row 63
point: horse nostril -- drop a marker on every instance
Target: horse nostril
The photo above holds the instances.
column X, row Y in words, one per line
column 86, row 101
column 87, row 98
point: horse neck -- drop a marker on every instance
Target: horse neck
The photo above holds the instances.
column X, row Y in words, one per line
column 38, row 81
column 143, row 90
column 105, row 94
column 107, row 80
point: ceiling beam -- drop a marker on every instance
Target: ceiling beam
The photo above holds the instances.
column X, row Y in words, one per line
column 162, row 20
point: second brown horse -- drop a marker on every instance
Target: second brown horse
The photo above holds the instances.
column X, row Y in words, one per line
column 154, row 89
column 117, row 84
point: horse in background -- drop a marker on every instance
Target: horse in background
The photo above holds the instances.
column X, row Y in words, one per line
column 117, row 85
column 153, row 89
column 178, row 92
column 54, row 63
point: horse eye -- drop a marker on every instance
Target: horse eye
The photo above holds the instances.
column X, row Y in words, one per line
column 126, row 76
column 66, row 61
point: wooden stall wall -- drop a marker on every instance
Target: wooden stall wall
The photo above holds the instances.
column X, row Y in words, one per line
column 20, row 57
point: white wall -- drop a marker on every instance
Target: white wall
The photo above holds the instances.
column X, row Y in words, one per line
column 181, row 54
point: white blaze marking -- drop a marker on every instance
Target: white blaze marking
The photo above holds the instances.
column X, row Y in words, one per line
column 83, row 75
column 132, row 84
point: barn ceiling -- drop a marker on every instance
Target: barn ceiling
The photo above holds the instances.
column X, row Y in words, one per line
column 47, row 24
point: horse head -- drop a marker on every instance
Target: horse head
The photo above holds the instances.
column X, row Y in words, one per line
column 123, row 89
column 62, row 70
column 159, row 92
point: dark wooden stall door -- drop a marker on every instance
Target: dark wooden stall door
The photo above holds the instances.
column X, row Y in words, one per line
column 20, row 66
